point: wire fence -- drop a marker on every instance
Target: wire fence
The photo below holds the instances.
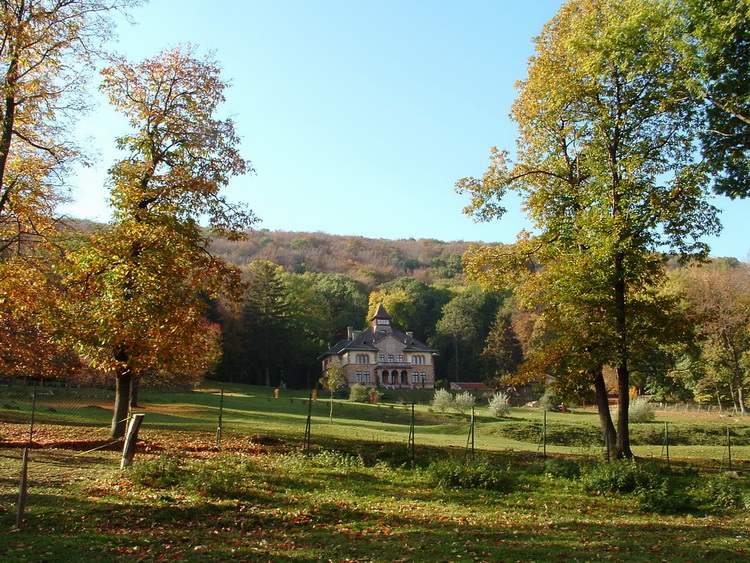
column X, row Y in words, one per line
column 68, row 428
column 79, row 419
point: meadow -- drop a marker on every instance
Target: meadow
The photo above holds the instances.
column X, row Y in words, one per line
column 359, row 493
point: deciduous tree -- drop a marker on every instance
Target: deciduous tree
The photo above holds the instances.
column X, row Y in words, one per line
column 141, row 282
column 606, row 171
column 47, row 51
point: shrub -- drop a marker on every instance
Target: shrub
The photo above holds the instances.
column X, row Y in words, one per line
column 549, row 401
column 666, row 500
column 723, row 492
column 376, row 393
column 359, row 393
column 498, row 404
column 218, row 481
column 163, row 472
column 463, row 402
column 442, row 400
column 560, row 467
column 455, row 474
column 641, row 411
column 622, row 476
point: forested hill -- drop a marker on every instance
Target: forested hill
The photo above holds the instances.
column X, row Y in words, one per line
column 369, row 260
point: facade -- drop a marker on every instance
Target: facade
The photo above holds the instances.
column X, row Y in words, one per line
column 381, row 356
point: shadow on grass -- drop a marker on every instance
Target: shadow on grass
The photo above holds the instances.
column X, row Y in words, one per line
column 310, row 531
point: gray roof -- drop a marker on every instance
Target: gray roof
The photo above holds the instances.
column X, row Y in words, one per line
column 368, row 339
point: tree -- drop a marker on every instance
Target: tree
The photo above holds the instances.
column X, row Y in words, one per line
column 502, row 353
column 606, row 171
column 347, row 300
column 47, row 52
column 464, row 325
column 720, row 306
column 266, row 319
column 716, row 43
column 427, row 301
column 142, row 280
column 333, row 378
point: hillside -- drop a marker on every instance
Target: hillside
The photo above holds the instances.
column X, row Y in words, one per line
column 369, row 260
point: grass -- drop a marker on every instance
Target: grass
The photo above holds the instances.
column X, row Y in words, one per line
column 359, row 496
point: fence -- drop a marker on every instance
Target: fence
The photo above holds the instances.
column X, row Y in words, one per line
column 78, row 420
column 67, row 428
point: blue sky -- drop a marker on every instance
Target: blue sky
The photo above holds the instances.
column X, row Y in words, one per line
column 357, row 116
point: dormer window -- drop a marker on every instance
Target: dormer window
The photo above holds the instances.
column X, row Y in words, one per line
column 384, row 322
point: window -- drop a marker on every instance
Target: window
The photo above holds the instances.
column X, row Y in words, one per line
column 418, row 377
column 390, row 358
column 383, row 322
column 363, row 359
column 366, row 377
column 381, row 358
column 358, row 377
column 418, row 360
column 399, row 359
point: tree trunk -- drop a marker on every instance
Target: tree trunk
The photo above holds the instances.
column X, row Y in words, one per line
column 123, row 381
column 455, row 341
column 623, row 396
column 605, row 417
column 134, row 387
column 741, row 395
column 268, row 376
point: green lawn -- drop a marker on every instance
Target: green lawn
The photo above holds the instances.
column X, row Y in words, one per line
column 262, row 499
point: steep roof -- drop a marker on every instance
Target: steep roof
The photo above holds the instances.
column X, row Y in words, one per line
column 368, row 340
column 381, row 313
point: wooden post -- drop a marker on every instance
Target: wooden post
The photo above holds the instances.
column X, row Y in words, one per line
column 410, row 443
column 128, row 450
column 22, row 488
column 308, row 424
column 221, row 415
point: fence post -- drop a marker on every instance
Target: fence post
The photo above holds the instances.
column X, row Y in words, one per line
column 470, row 437
column 729, row 447
column 221, row 415
column 128, row 450
column 22, row 489
column 33, row 413
column 410, row 447
column 666, row 441
column 308, row 424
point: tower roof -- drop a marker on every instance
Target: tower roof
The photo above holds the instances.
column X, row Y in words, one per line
column 381, row 313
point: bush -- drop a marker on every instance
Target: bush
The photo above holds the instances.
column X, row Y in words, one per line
column 622, row 476
column 723, row 492
column 463, row 402
column 442, row 400
column 359, row 393
column 498, row 404
column 549, row 401
column 665, row 500
column 455, row 474
column 163, row 472
column 641, row 411
column 222, row 481
column 560, row 467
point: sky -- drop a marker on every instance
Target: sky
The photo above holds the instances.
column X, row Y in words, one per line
column 358, row 117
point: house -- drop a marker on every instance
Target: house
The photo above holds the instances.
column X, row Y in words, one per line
column 382, row 356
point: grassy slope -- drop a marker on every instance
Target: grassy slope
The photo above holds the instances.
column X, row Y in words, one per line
column 286, row 507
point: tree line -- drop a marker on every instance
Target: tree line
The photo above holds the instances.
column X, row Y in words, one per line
column 633, row 113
